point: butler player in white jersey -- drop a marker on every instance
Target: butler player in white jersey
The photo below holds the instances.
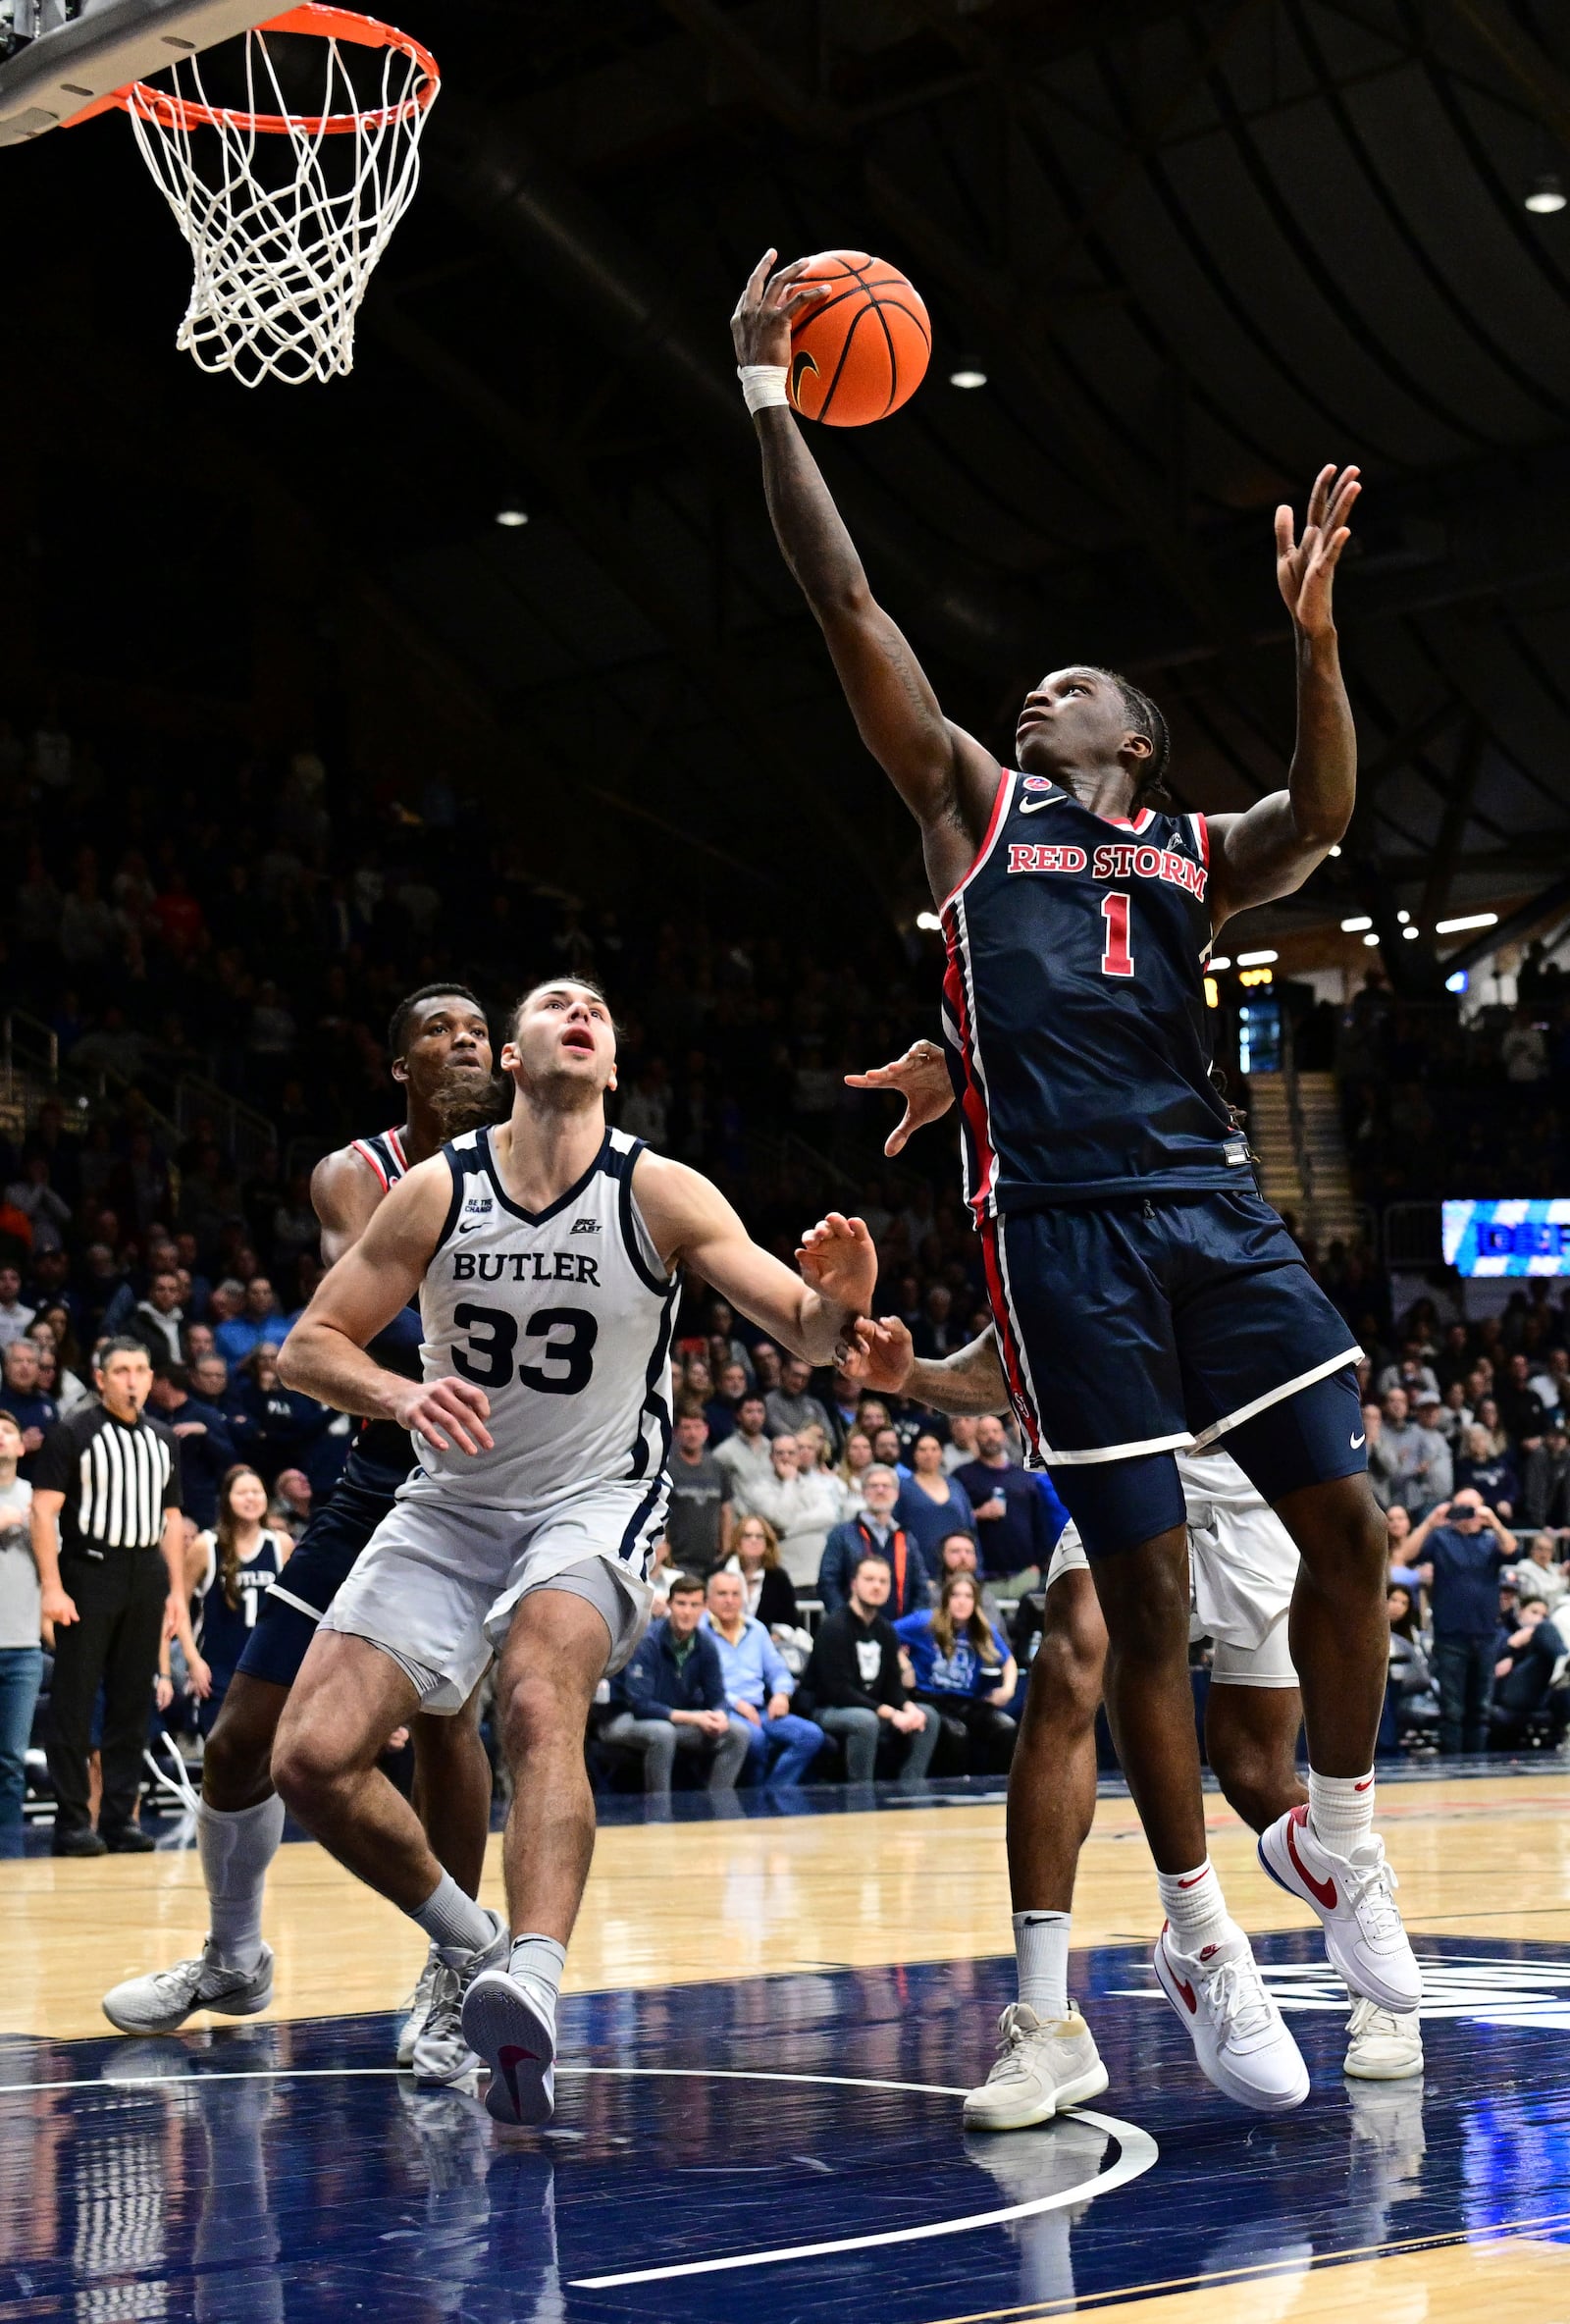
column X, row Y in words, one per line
column 544, row 1252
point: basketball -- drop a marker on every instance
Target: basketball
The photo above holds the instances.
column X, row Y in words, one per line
column 862, row 351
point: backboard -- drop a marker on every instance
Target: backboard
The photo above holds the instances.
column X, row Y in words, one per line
column 58, row 57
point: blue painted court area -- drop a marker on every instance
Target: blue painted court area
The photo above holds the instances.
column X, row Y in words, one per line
column 281, row 2175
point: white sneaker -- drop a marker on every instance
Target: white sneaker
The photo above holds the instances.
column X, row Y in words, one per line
column 1354, row 1898
column 1043, row 2067
column 1239, row 2034
column 517, row 2039
column 441, row 2057
column 162, row 2001
column 416, row 2008
column 1382, row 2044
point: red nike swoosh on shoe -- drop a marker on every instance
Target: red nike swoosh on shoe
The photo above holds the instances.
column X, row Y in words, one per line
column 1324, row 1890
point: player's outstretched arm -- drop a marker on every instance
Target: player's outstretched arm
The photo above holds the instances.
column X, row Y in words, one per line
column 881, row 1357
column 324, row 1354
column 921, row 1078
column 942, row 774
column 1271, row 850
column 694, row 1226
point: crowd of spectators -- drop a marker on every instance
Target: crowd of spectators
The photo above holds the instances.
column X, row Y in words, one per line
column 187, row 933
column 1469, row 1452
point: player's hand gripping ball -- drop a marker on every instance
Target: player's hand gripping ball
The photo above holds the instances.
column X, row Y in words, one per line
column 862, row 350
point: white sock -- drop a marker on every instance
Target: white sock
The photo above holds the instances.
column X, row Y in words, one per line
column 1041, row 1949
column 536, row 1962
column 1340, row 1809
column 236, row 1845
column 453, row 1921
column 1195, row 1910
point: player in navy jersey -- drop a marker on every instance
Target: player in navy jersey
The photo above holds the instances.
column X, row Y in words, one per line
column 440, row 1044
column 1146, row 1299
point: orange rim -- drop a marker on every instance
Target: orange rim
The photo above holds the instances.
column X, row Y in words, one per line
column 325, row 23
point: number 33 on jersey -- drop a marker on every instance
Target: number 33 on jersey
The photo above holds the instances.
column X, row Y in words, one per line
column 1074, row 1018
column 564, row 1317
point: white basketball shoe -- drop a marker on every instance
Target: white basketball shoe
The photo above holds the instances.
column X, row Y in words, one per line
column 1239, row 2034
column 163, row 2000
column 1044, row 2066
column 515, row 2034
column 417, row 2009
column 442, row 2057
column 1381, row 2045
column 1354, row 1898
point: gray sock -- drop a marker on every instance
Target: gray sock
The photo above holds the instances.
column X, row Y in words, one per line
column 453, row 1921
column 236, row 1845
column 536, row 1962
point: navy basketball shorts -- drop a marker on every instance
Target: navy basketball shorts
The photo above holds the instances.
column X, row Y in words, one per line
column 323, row 1561
column 1134, row 1330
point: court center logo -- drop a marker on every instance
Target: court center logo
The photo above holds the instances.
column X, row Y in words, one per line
column 1532, row 1994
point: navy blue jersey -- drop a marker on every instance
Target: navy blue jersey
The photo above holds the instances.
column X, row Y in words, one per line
column 1074, row 1013
column 398, row 1348
column 224, row 1628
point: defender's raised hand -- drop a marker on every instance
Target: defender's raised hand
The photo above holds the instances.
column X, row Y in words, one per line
column 761, row 327
column 921, row 1078
column 1306, row 568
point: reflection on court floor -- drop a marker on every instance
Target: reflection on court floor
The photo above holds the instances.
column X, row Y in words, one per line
column 278, row 2174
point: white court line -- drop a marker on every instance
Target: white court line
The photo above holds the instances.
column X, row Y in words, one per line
column 1138, row 2152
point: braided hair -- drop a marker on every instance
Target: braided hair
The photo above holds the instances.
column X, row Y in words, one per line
column 1147, row 719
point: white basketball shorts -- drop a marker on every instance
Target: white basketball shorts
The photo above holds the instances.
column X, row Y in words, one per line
column 437, row 1584
column 1242, row 1564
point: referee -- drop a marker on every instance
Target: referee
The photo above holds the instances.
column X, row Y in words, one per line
column 109, row 1550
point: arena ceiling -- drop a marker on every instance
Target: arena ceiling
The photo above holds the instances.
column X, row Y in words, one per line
column 1196, row 250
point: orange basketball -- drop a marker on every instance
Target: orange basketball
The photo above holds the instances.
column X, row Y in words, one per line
column 862, row 351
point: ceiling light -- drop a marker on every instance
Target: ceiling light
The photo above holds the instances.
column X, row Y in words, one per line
column 1456, row 982
column 968, row 376
column 1216, row 966
column 1410, row 934
column 1256, row 960
column 930, row 922
column 1546, row 196
column 1335, row 851
column 1371, row 939
column 1355, row 927
column 1403, row 918
column 1471, row 920
column 512, row 517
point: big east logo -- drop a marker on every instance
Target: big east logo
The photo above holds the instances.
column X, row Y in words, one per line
column 1119, row 859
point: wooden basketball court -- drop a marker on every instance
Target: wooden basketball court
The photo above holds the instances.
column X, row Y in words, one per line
column 770, row 2019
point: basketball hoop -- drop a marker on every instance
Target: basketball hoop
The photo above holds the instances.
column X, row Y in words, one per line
column 282, row 261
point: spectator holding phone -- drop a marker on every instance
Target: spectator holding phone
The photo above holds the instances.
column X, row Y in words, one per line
column 1465, row 1546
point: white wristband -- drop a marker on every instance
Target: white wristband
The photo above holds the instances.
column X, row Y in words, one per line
column 763, row 384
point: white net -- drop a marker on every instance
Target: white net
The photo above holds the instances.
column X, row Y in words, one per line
column 285, row 212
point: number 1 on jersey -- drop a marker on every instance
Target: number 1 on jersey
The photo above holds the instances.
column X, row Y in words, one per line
column 1116, row 960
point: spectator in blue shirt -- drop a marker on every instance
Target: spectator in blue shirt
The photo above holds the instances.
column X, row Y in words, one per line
column 1528, row 1658
column 1012, row 1523
column 758, row 1686
column 932, row 1503
column 207, row 1451
column 1493, row 1473
column 963, row 1668
column 873, row 1532
column 671, row 1696
column 259, row 1320
column 1464, row 1546
column 33, row 1412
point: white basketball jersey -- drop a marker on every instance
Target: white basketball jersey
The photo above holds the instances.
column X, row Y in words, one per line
column 564, row 1318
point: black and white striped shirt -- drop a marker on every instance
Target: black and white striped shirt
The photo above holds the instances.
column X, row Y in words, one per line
column 117, row 1480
